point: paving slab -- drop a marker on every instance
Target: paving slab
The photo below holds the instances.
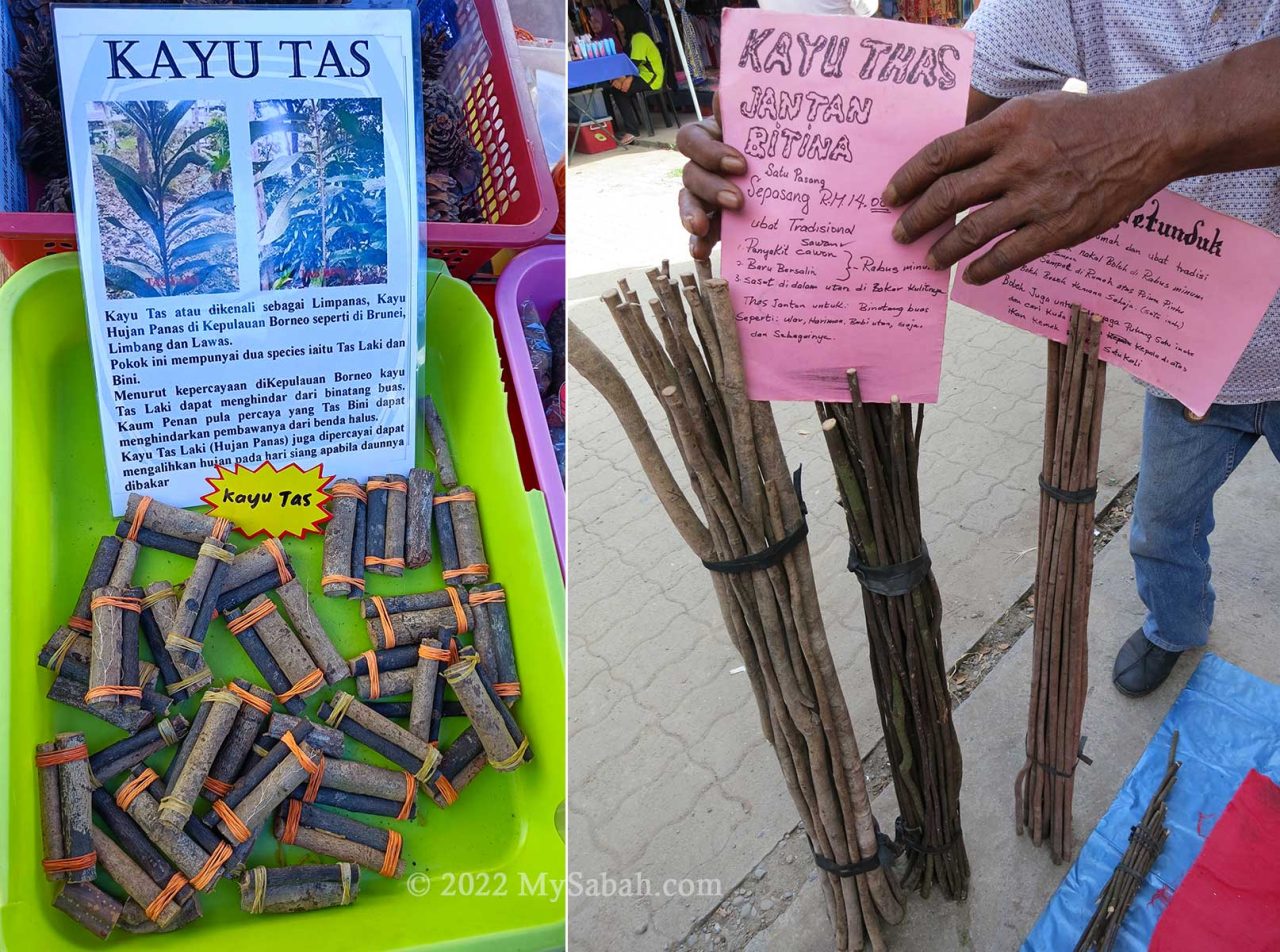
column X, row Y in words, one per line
column 1012, row 879
column 670, row 775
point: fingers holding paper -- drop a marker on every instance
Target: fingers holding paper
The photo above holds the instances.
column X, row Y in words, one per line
column 707, row 190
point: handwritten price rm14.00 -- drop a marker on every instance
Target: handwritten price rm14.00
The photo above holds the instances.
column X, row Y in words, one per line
column 855, row 201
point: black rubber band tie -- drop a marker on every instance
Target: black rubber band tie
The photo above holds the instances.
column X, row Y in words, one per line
column 846, row 870
column 911, row 838
column 1080, row 758
column 772, row 554
column 891, row 580
column 1072, row 497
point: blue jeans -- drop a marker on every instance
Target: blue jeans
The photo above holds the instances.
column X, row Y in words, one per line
column 1183, row 464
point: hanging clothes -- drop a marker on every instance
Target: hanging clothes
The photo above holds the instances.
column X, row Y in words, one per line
column 692, row 48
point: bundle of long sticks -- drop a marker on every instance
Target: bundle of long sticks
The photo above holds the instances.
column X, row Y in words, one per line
column 751, row 536
column 1064, row 576
column 1146, row 841
column 875, row 451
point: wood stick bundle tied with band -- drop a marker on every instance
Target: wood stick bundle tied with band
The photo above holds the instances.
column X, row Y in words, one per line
column 361, row 788
column 262, row 568
column 362, row 724
column 397, row 620
column 298, row 888
column 133, row 917
column 344, row 540
column 67, row 654
column 199, row 598
column 127, row 753
column 114, row 674
column 112, row 565
column 385, row 673
column 249, row 723
column 135, row 842
column 492, row 639
column 462, row 557
column 182, row 676
column 157, row 899
column 239, row 823
column 342, row 837
column 385, row 524
column 159, row 526
column 419, row 506
column 138, row 797
column 461, row 764
column 62, row 769
column 276, row 651
column 190, row 766
column 504, row 743
column 427, row 705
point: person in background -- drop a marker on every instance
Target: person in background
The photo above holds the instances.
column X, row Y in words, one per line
column 628, row 91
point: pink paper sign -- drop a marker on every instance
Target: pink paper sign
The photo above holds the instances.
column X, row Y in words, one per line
column 1180, row 288
column 826, row 109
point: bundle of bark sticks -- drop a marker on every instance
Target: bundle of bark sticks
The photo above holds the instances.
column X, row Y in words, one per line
column 1064, row 576
column 875, row 452
column 750, row 537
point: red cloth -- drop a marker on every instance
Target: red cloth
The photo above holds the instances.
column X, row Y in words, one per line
column 1230, row 898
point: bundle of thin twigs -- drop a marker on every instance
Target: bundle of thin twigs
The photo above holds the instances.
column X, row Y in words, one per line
column 1064, row 575
column 875, row 451
column 753, row 541
column 1146, row 841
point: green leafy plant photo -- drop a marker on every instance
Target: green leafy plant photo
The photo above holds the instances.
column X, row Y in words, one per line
column 163, row 188
column 318, row 173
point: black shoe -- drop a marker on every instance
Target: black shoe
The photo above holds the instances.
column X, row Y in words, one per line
column 1141, row 667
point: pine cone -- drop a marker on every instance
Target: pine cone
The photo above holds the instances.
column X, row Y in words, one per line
column 443, row 197
column 433, row 54
column 447, row 146
column 438, row 102
column 56, row 197
column 471, row 213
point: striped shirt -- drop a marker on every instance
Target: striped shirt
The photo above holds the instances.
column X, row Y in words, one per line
column 1029, row 46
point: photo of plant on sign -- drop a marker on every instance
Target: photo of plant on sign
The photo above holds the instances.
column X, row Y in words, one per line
column 162, row 182
column 318, row 180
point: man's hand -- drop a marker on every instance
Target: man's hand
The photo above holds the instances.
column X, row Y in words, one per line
column 1055, row 168
column 706, row 191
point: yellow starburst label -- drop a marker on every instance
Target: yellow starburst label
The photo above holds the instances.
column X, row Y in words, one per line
column 279, row 502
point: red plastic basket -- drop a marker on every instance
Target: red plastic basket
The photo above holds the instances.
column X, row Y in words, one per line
column 517, row 195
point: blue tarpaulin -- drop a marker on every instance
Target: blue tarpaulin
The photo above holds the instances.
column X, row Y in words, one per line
column 1228, row 722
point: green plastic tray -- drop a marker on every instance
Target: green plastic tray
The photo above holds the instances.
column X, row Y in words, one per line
column 52, row 482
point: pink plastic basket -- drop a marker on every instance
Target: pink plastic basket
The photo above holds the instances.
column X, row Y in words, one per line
column 517, row 195
column 536, row 275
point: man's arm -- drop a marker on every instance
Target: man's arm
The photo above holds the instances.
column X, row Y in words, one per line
column 1060, row 168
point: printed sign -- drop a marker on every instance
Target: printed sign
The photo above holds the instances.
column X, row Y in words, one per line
column 1180, row 288
column 826, row 109
column 246, row 196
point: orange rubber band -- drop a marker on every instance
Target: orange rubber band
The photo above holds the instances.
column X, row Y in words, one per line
column 277, row 553
column 432, row 654
column 389, row 563
column 507, row 689
column 235, row 826
column 112, row 690
column 399, row 486
column 291, row 820
column 375, row 687
column 64, row 756
column 348, row 489
column 340, row 579
column 129, row 792
column 251, row 617
column 476, row 568
column 446, row 791
column 219, row 788
column 458, row 613
column 484, row 598
column 308, row 764
column 220, row 529
column 313, row 785
column 71, row 864
column 209, row 871
column 124, row 604
column 455, row 497
column 138, row 515
column 80, row 624
column 388, row 632
column 309, row 683
column 454, row 657
column 165, row 896
column 250, row 698
column 391, row 858
column 410, row 791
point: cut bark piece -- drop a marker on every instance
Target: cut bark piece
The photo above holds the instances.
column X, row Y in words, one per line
column 298, row 888
column 339, row 535
column 439, row 444
column 418, row 508
column 89, row 906
column 504, row 743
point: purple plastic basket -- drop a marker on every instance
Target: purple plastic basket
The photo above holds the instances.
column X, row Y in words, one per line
column 536, row 275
